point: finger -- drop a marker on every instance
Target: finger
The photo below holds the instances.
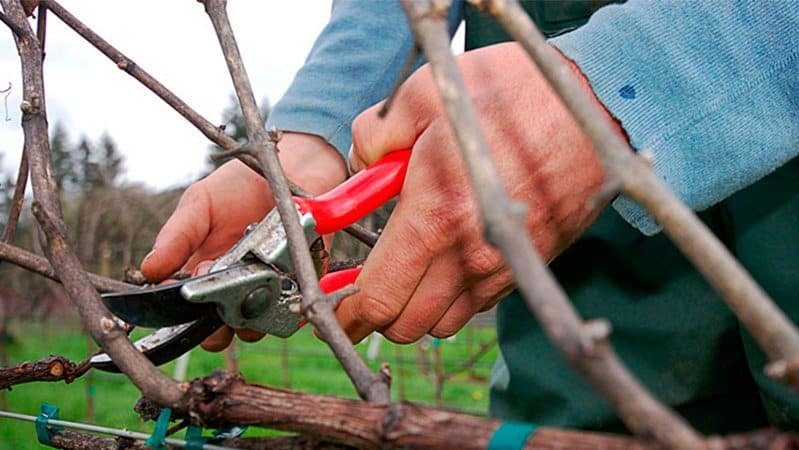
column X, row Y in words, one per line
column 219, row 340
column 388, row 279
column 438, row 289
column 480, row 297
column 373, row 136
column 202, row 268
column 248, row 335
column 180, row 236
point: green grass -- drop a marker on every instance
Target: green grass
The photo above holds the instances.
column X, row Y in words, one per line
column 312, row 368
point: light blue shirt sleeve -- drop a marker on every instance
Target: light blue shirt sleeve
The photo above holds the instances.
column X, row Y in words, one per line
column 352, row 65
column 710, row 88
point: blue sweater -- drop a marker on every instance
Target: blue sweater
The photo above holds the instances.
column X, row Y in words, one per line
column 710, row 88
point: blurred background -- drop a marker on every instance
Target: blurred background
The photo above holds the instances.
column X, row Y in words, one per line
column 122, row 160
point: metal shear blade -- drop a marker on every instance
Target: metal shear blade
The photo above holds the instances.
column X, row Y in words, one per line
column 166, row 344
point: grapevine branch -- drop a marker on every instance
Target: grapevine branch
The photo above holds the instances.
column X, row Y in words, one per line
column 50, row 368
column 772, row 330
column 47, row 209
column 223, row 398
column 584, row 345
column 40, row 265
column 316, row 306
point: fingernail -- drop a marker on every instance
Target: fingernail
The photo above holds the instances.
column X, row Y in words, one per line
column 149, row 254
column 353, row 163
column 203, row 267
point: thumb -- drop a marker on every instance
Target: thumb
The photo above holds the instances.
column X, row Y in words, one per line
column 186, row 229
column 414, row 106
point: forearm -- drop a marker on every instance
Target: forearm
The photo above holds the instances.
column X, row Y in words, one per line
column 708, row 88
column 352, row 66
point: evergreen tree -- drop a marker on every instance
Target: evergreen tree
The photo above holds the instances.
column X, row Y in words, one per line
column 233, row 120
column 7, row 184
column 64, row 160
column 109, row 161
column 87, row 173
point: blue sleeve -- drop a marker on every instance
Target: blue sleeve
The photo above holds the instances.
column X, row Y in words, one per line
column 710, row 88
column 352, row 66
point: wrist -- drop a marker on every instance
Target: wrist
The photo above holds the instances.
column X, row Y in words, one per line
column 310, row 162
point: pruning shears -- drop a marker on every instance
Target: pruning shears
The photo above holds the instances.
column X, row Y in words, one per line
column 252, row 285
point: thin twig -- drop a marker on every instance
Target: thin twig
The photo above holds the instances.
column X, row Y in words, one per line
column 413, row 56
column 41, row 26
column 316, row 306
column 772, row 330
column 40, row 265
column 210, row 130
column 17, row 200
column 589, row 353
column 214, row 133
column 469, row 363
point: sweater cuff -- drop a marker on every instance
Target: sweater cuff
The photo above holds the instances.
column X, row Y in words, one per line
column 709, row 92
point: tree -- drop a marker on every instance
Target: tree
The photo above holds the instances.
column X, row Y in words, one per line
column 233, row 123
column 109, row 161
column 63, row 154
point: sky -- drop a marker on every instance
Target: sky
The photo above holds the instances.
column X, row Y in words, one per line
column 174, row 41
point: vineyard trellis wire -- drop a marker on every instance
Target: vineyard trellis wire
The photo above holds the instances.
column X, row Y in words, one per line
column 222, row 398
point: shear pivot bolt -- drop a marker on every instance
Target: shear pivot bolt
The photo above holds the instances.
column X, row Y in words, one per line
column 257, row 301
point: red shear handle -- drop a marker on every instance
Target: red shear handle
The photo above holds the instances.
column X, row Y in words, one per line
column 334, row 281
column 360, row 195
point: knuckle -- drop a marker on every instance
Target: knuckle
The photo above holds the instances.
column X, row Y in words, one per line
column 482, row 261
column 438, row 222
column 399, row 334
column 445, row 329
column 376, row 311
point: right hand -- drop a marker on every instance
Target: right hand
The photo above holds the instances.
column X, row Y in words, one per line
column 212, row 213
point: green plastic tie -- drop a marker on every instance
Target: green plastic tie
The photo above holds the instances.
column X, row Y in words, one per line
column 194, row 438
column 511, row 436
column 156, row 440
column 46, row 412
column 435, row 342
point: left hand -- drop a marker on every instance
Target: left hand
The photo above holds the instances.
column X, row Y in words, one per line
column 431, row 271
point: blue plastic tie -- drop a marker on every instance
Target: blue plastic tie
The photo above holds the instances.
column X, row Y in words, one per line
column 156, row 440
column 46, row 413
column 511, row 436
column 194, row 438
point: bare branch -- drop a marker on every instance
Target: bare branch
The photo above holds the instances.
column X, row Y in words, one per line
column 50, row 368
column 317, row 310
column 100, row 323
column 14, row 27
column 471, row 360
column 772, row 330
column 210, row 130
column 222, row 398
column 46, row 208
column 214, row 133
column 40, row 265
column 17, row 200
column 504, row 225
column 41, row 26
column 413, row 56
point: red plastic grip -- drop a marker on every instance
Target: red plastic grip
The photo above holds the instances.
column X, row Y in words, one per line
column 334, row 281
column 358, row 196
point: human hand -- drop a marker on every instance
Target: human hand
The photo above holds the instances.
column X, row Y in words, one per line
column 212, row 214
column 431, row 271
